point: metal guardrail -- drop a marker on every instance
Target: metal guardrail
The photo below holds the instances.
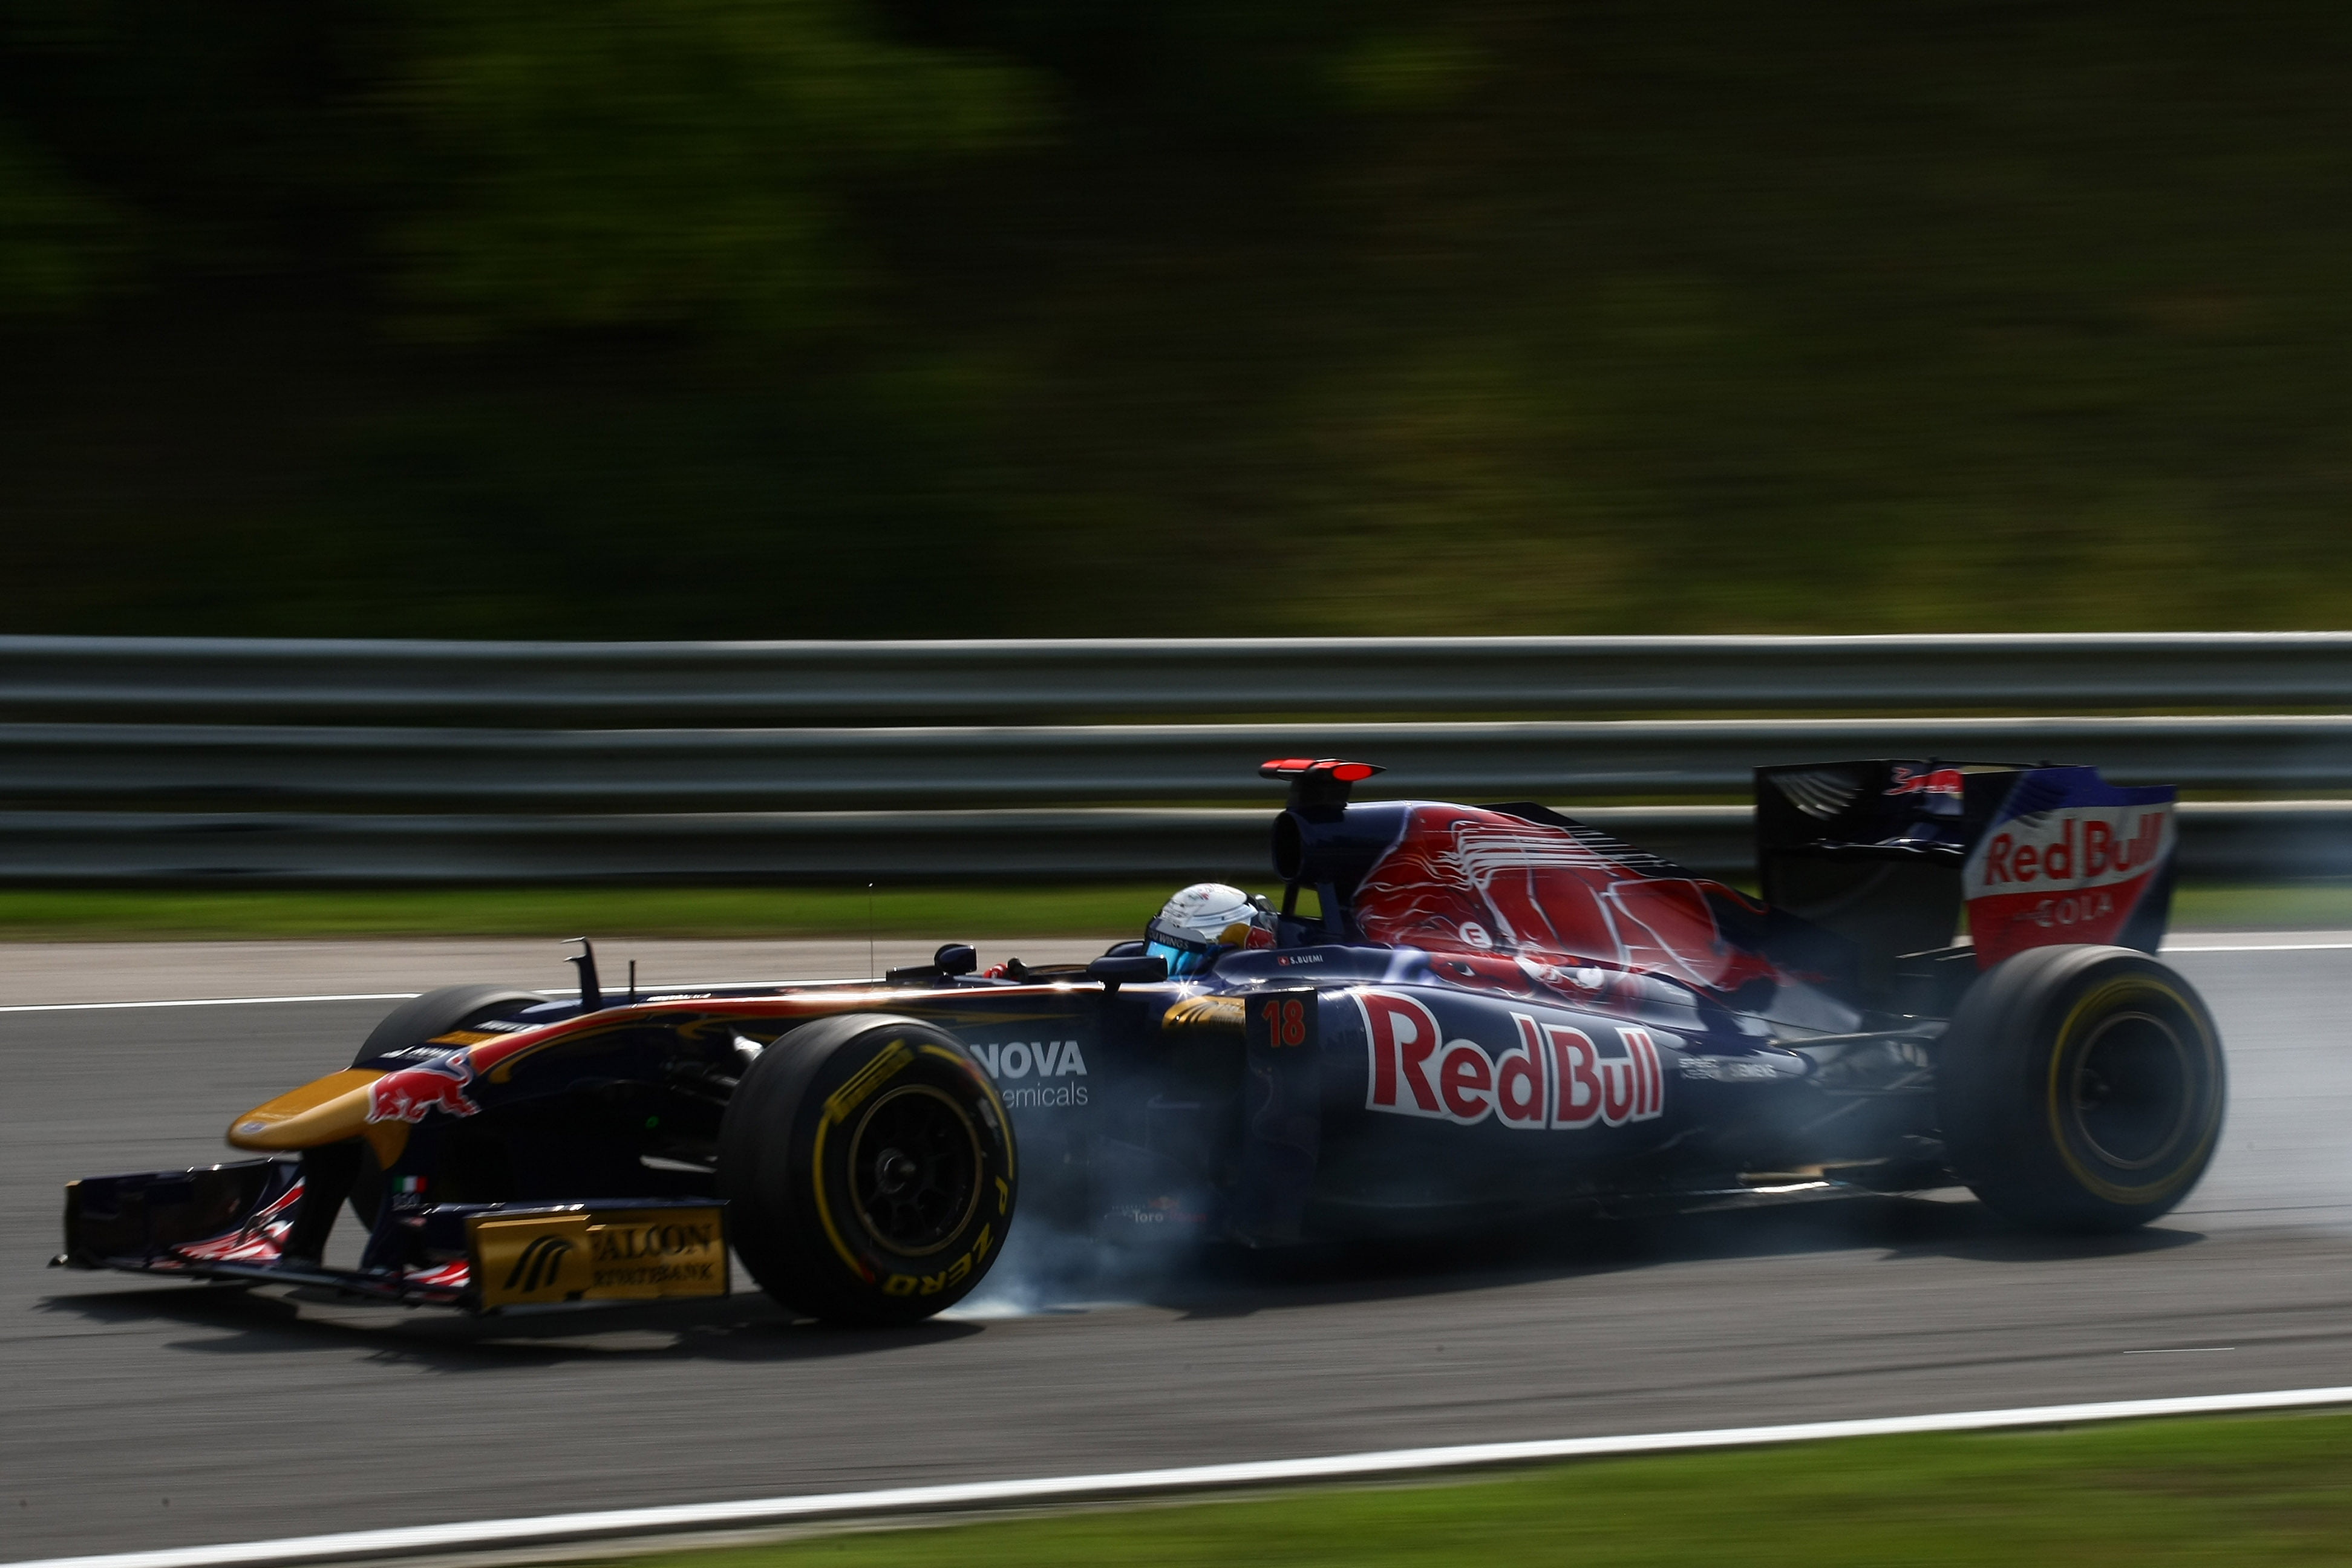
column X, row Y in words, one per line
column 293, row 767
column 539, row 684
column 932, row 767
column 2268, row 839
column 173, row 760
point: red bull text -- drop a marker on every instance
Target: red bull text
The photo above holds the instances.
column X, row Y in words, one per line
column 1554, row 1076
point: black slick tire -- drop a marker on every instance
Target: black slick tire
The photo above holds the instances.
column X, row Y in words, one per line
column 868, row 1168
column 420, row 1018
column 2081, row 1088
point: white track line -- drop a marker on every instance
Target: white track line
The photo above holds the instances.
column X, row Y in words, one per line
column 650, row 994
column 555, row 1528
column 2268, row 947
column 207, row 1002
column 713, row 984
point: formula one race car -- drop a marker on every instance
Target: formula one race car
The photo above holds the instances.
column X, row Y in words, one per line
column 1490, row 1015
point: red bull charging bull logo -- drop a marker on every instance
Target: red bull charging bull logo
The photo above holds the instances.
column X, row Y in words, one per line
column 1461, row 879
column 1909, row 780
column 407, row 1095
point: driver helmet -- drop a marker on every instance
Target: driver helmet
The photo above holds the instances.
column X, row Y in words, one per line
column 1204, row 921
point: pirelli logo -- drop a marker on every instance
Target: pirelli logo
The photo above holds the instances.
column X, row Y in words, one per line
column 867, row 1079
column 591, row 1254
column 955, row 1273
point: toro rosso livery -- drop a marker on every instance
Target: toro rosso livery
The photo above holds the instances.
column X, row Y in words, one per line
column 1456, row 1017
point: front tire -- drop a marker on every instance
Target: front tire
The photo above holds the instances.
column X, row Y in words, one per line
column 413, row 1023
column 2081, row 1088
column 441, row 1012
column 868, row 1168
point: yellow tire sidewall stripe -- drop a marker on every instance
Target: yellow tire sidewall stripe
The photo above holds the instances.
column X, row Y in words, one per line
column 2091, row 1002
column 895, row 1058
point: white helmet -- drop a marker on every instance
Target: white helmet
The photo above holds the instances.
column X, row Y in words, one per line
column 1204, row 921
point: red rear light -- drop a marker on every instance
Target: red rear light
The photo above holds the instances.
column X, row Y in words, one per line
column 1330, row 769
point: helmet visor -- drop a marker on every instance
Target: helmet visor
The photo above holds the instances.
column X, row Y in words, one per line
column 1191, row 952
column 1191, row 959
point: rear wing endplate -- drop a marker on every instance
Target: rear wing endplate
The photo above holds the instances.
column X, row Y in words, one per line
column 1897, row 855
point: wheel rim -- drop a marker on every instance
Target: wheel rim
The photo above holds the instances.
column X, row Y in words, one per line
column 2134, row 1091
column 915, row 1169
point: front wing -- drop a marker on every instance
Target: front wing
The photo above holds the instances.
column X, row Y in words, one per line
column 230, row 1222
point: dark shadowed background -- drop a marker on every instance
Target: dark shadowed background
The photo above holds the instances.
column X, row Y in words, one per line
column 903, row 318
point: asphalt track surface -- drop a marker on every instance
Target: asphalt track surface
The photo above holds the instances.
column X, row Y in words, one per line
column 147, row 1414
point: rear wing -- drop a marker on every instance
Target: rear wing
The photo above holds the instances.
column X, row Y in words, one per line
column 1896, row 855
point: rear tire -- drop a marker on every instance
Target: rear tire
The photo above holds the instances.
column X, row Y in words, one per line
column 868, row 1168
column 2081, row 1088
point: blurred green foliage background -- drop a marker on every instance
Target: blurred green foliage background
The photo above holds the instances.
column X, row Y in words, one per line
column 908, row 318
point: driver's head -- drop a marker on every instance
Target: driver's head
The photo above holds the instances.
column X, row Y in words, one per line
column 1204, row 921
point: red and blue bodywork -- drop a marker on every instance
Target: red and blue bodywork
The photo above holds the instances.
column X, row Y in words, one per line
column 1472, row 1016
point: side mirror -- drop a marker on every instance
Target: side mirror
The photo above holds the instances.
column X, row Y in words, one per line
column 1115, row 973
column 952, row 959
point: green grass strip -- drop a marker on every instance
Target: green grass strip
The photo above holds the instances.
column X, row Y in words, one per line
column 2298, row 906
column 2246, row 1491
column 133, row 914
